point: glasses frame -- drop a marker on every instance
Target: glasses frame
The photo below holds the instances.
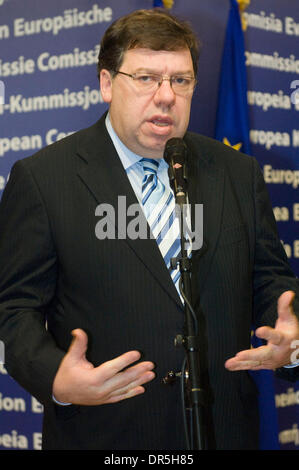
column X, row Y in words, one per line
column 162, row 78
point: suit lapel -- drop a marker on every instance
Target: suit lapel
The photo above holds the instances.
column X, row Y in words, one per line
column 104, row 176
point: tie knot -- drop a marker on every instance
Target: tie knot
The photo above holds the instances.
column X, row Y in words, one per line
column 150, row 166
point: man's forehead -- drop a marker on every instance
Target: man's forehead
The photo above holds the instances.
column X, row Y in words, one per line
column 148, row 58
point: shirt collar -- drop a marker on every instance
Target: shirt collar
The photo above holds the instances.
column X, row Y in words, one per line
column 127, row 157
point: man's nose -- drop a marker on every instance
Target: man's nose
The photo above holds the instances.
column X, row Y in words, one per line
column 165, row 94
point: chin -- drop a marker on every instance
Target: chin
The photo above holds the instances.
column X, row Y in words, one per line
column 154, row 145
column 159, row 142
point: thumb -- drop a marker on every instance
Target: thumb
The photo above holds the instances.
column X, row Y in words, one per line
column 284, row 306
column 78, row 345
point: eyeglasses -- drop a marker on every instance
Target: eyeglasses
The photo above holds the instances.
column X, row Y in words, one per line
column 150, row 82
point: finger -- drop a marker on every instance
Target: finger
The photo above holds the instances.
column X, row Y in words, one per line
column 141, row 380
column 243, row 365
column 78, row 345
column 249, row 359
column 261, row 354
column 269, row 334
column 135, row 375
column 117, row 389
column 125, row 388
column 124, row 396
column 285, row 305
column 133, row 389
column 111, row 368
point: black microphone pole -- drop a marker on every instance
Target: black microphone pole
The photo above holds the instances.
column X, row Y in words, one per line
column 175, row 155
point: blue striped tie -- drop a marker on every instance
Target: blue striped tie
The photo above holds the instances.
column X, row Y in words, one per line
column 159, row 208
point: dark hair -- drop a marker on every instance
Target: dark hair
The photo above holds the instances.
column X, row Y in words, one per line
column 151, row 29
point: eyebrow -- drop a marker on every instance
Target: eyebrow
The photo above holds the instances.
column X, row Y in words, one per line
column 153, row 71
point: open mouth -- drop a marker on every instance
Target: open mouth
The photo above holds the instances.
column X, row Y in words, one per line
column 160, row 123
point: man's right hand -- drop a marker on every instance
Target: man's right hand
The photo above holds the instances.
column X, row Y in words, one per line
column 78, row 382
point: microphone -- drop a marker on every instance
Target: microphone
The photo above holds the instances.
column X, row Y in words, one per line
column 175, row 154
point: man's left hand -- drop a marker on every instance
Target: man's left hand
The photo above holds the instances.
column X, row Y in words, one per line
column 281, row 341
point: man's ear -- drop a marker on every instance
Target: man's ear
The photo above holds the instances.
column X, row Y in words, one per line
column 106, row 85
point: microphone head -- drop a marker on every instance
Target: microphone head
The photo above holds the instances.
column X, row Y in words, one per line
column 175, row 154
column 175, row 151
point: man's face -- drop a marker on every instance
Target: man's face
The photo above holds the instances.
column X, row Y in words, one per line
column 145, row 122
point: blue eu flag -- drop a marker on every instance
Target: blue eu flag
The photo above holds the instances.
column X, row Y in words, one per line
column 232, row 125
column 163, row 4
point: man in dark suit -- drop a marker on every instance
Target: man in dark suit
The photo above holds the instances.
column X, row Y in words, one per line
column 115, row 295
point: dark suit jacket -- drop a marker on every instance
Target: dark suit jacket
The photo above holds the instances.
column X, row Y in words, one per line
column 54, row 267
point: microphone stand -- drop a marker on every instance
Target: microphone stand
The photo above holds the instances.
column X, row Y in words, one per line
column 190, row 341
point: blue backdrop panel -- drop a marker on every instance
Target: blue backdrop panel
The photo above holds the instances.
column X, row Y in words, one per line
column 272, row 59
column 48, row 54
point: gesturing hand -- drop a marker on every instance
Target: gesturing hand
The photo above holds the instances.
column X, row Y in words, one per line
column 280, row 340
column 78, row 382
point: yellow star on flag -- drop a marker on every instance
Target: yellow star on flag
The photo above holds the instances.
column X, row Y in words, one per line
column 168, row 4
column 236, row 146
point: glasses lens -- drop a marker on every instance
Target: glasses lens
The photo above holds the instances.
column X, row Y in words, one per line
column 182, row 85
column 147, row 82
column 150, row 82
